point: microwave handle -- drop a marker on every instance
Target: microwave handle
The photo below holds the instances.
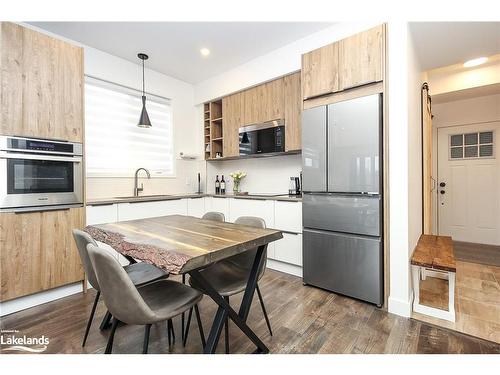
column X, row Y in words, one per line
column 75, row 159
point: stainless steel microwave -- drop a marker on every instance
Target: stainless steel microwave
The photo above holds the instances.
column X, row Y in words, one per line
column 262, row 138
column 39, row 173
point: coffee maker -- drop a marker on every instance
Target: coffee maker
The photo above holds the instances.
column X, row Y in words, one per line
column 294, row 186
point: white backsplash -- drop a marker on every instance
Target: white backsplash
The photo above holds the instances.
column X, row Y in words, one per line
column 264, row 175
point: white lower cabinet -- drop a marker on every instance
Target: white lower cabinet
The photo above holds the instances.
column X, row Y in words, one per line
column 196, row 207
column 142, row 210
column 252, row 207
column 102, row 214
column 288, row 216
column 289, row 249
column 218, row 204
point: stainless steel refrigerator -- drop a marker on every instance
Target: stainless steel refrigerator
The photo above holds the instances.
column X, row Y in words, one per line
column 342, row 198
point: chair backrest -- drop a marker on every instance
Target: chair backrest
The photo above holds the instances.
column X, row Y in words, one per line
column 82, row 239
column 246, row 259
column 120, row 295
column 215, row 216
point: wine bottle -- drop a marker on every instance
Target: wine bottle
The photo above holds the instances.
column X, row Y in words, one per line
column 223, row 186
column 217, row 185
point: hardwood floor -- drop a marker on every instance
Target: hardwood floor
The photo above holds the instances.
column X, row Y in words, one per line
column 477, row 253
column 477, row 300
column 304, row 320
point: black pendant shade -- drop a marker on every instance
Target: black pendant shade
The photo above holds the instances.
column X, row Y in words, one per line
column 144, row 121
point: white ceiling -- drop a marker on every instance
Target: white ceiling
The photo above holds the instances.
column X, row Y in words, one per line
column 174, row 47
column 440, row 44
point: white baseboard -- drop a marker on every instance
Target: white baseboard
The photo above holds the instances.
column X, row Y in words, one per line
column 22, row 303
column 400, row 307
column 284, row 267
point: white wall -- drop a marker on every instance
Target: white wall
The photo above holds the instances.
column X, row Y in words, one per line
column 187, row 134
column 264, row 175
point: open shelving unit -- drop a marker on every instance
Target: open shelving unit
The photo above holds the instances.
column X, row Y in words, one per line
column 212, row 120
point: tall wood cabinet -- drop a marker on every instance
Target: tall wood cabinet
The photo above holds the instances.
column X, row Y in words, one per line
column 351, row 62
column 293, row 112
column 42, row 85
column 41, row 82
column 232, row 107
column 38, row 251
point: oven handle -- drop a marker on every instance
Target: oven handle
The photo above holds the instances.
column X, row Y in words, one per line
column 74, row 159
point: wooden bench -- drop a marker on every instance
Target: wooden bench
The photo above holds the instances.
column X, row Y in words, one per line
column 434, row 256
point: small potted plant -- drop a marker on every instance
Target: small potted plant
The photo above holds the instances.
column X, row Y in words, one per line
column 237, row 177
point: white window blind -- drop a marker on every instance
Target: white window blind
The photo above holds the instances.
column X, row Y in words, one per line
column 115, row 145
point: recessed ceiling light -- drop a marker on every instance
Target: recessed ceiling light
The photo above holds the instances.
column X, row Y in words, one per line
column 205, row 51
column 475, row 62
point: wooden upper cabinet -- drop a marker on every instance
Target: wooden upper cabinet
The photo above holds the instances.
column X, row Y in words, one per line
column 42, row 85
column 361, row 58
column 38, row 251
column 293, row 110
column 264, row 102
column 320, row 71
column 232, row 108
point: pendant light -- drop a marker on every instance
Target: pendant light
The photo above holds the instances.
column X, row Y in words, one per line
column 144, row 121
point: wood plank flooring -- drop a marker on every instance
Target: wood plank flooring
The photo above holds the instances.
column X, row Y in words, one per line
column 477, row 253
column 304, row 320
column 477, row 300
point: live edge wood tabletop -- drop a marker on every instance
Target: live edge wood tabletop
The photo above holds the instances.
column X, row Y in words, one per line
column 179, row 244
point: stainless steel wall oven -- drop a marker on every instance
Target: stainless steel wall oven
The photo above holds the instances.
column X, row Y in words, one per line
column 39, row 174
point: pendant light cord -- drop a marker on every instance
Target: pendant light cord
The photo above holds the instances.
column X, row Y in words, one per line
column 143, row 90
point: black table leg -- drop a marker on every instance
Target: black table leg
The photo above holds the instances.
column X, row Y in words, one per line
column 225, row 309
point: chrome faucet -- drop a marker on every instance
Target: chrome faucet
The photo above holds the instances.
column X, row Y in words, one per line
column 136, row 176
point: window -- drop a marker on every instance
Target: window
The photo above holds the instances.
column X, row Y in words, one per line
column 471, row 145
column 115, row 145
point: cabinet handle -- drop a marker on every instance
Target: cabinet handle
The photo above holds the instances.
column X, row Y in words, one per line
column 154, row 200
column 100, row 204
column 31, row 210
column 359, row 85
column 287, row 232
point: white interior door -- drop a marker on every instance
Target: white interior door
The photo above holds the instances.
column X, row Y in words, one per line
column 469, row 183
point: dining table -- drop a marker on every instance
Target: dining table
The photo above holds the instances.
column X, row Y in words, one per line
column 184, row 245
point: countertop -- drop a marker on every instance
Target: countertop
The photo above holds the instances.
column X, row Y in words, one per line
column 155, row 198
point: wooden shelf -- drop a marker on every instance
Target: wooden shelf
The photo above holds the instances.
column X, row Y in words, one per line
column 219, row 119
column 217, row 139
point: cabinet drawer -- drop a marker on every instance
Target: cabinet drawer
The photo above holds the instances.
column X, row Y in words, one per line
column 102, row 214
column 252, row 207
column 218, row 205
column 289, row 249
column 196, row 207
column 288, row 216
column 142, row 210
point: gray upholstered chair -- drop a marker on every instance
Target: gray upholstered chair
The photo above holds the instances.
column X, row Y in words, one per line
column 213, row 215
column 230, row 276
column 155, row 302
column 139, row 273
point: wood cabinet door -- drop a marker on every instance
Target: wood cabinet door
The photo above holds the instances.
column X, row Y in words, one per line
column 251, row 105
column 320, row 71
column 38, row 251
column 42, row 85
column 232, row 108
column 272, row 102
column 361, row 58
column 293, row 112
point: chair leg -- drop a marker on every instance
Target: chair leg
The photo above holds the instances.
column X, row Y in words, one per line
column 173, row 331
column 183, row 314
column 264, row 309
column 226, row 330
column 105, row 321
column 109, row 346
column 188, row 323
column 169, row 334
column 145, row 345
column 200, row 326
column 89, row 323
